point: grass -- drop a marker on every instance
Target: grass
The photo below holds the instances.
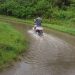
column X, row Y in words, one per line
column 63, row 28
column 66, row 26
column 12, row 43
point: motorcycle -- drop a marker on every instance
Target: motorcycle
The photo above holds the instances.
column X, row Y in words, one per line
column 38, row 30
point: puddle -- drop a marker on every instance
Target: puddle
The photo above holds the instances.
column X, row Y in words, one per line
column 19, row 69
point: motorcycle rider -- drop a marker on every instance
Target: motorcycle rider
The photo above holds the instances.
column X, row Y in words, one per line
column 37, row 26
column 37, row 22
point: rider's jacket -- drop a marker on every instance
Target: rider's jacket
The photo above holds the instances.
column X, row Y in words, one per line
column 38, row 21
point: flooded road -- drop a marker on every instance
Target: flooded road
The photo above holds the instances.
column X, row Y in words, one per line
column 48, row 55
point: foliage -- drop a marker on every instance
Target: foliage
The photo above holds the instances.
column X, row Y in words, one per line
column 32, row 8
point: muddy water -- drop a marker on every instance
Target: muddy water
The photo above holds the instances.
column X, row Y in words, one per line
column 64, row 36
column 50, row 54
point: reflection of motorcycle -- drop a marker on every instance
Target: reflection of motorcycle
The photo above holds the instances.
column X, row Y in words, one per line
column 38, row 30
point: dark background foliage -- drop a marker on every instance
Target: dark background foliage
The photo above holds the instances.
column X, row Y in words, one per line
column 32, row 8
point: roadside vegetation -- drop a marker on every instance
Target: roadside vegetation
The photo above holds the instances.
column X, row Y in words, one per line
column 12, row 44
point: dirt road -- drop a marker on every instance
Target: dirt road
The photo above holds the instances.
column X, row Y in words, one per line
column 48, row 55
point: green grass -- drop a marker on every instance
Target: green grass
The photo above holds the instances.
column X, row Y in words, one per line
column 67, row 26
column 12, row 43
column 69, row 30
